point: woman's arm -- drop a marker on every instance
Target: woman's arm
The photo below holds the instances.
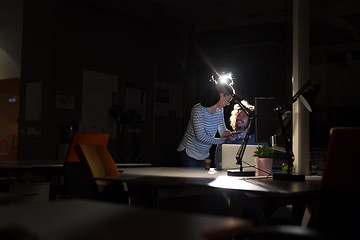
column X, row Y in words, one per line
column 199, row 128
column 222, row 126
column 223, row 131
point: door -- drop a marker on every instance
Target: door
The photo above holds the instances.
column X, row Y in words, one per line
column 9, row 114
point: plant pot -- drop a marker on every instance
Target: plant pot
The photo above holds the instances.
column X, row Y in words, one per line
column 263, row 166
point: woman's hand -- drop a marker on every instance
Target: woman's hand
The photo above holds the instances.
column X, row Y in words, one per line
column 227, row 134
column 224, row 136
column 232, row 137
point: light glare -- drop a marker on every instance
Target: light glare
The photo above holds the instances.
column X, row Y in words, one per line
column 226, row 78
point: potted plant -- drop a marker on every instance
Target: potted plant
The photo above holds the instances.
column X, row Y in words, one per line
column 263, row 160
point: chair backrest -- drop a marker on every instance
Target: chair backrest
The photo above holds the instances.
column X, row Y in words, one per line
column 75, row 176
column 338, row 207
column 85, row 138
column 342, row 163
column 97, row 161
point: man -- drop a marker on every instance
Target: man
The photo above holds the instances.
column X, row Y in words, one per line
column 239, row 122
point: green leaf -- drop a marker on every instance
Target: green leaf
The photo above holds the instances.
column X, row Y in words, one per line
column 263, row 151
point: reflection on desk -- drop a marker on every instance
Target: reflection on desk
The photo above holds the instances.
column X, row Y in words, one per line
column 80, row 219
column 266, row 185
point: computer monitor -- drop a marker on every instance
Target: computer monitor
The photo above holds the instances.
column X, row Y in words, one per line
column 266, row 121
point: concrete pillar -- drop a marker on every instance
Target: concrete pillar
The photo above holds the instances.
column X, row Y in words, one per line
column 300, row 76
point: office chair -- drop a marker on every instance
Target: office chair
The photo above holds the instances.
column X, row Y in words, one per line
column 342, row 160
column 337, row 209
column 98, row 163
column 84, row 138
column 75, row 178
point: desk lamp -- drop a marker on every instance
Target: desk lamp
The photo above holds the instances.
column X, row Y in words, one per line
column 240, row 153
column 304, row 93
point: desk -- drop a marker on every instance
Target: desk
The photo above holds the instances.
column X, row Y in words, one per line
column 84, row 219
column 32, row 171
column 46, row 168
column 268, row 186
column 128, row 165
column 30, row 164
column 51, row 165
column 163, row 176
column 281, row 193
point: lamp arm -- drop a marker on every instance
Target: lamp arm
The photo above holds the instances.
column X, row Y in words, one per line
column 283, row 108
column 289, row 153
column 240, row 153
column 280, row 111
column 245, row 109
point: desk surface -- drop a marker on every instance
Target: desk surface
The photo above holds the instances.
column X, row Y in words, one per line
column 30, row 164
column 127, row 165
column 217, row 179
column 84, row 219
column 54, row 164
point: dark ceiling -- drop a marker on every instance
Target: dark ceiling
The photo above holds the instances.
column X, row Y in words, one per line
column 334, row 24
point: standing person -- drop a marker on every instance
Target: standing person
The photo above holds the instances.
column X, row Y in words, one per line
column 207, row 117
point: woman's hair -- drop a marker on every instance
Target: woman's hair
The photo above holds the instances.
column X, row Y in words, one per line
column 235, row 112
column 213, row 90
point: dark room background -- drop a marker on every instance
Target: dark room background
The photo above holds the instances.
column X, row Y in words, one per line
column 158, row 55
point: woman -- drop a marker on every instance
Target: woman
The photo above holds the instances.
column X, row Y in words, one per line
column 206, row 118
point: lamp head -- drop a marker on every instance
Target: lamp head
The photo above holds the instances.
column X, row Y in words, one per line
column 309, row 95
column 215, row 87
column 226, row 78
column 226, row 82
column 305, row 103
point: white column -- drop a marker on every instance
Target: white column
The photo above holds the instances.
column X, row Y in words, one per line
column 300, row 76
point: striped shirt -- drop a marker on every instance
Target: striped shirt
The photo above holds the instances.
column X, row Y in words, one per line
column 200, row 132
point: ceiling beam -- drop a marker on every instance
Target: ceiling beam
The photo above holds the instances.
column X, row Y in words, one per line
column 344, row 26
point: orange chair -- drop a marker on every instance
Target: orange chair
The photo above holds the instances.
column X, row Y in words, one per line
column 85, row 138
column 338, row 209
column 75, row 178
column 99, row 163
column 342, row 164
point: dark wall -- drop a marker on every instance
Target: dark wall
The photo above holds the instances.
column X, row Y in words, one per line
column 258, row 57
column 142, row 45
column 63, row 38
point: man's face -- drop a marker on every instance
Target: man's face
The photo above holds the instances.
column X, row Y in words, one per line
column 242, row 120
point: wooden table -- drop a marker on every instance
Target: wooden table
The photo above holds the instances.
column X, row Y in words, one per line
column 85, row 219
